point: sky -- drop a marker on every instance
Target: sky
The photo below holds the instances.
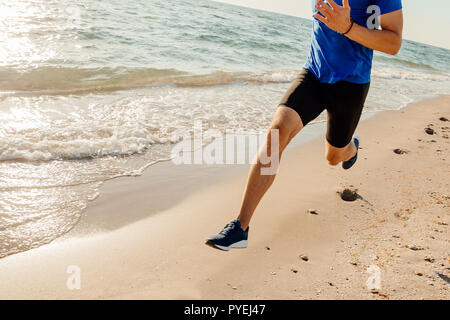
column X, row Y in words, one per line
column 425, row 21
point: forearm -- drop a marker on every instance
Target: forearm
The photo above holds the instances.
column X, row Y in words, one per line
column 386, row 41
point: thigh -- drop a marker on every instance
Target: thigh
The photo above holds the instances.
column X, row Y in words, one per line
column 345, row 102
column 304, row 97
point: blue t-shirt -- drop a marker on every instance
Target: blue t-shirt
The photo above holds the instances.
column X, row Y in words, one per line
column 333, row 56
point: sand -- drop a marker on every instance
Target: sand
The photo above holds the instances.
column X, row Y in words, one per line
column 143, row 238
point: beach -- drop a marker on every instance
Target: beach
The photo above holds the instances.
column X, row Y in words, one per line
column 143, row 237
column 93, row 92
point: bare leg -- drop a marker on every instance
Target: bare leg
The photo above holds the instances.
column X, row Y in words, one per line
column 288, row 123
column 337, row 155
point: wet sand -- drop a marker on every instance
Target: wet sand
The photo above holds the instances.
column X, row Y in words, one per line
column 139, row 241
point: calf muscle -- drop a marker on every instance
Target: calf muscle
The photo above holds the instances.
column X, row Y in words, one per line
column 288, row 124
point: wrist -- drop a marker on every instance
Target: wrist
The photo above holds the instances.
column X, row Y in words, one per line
column 350, row 27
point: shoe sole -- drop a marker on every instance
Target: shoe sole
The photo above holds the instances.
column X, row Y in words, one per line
column 238, row 245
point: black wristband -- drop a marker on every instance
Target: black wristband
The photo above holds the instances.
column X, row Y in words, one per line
column 351, row 26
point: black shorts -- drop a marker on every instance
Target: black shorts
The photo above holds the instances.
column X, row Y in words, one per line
column 343, row 101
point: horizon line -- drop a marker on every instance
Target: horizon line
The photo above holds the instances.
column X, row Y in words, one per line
column 296, row 16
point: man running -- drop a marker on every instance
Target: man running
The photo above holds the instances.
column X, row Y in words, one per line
column 336, row 77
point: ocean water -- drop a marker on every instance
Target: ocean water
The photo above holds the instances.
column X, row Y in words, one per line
column 91, row 90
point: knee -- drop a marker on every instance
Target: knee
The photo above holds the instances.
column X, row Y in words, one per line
column 283, row 132
column 276, row 131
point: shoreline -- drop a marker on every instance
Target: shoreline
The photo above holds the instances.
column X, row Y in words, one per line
column 115, row 265
column 163, row 168
column 161, row 173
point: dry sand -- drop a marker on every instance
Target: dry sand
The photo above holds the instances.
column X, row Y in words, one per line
column 399, row 224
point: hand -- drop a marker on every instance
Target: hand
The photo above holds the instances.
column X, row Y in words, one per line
column 336, row 17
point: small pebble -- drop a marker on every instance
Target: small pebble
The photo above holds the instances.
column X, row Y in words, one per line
column 349, row 195
column 304, row 258
column 429, row 131
column 415, row 248
column 400, row 151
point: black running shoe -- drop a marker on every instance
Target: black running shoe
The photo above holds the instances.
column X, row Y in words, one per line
column 232, row 236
